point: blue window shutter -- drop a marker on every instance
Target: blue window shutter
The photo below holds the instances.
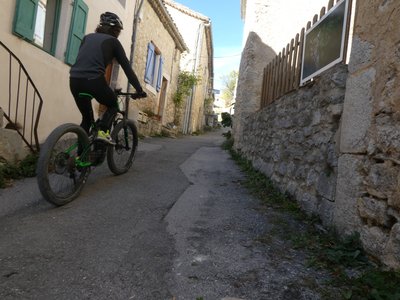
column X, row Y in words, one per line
column 159, row 77
column 149, row 74
column 76, row 31
column 25, row 18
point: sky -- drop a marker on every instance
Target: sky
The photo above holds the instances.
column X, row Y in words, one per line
column 227, row 31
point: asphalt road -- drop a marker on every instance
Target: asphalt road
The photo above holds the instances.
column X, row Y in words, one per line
column 178, row 225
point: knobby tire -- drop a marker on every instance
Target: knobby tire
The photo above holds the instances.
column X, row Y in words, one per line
column 60, row 180
column 120, row 157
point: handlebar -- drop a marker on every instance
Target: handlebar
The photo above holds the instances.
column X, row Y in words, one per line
column 132, row 95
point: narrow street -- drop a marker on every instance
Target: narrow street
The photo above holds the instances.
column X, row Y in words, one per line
column 178, row 225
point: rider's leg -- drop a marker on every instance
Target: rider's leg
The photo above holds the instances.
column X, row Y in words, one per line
column 101, row 91
column 85, row 107
column 83, row 102
column 108, row 98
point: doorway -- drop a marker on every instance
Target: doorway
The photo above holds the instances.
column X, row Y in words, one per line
column 162, row 99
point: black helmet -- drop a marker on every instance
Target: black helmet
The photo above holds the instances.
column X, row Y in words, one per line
column 111, row 19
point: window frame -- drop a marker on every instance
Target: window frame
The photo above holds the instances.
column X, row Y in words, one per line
column 24, row 24
column 154, row 67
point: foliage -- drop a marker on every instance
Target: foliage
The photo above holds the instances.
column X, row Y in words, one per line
column 228, row 91
column 375, row 285
column 208, row 101
column 24, row 168
column 208, row 105
column 226, row 119
column 353, row 273
column 228, row 143
column 186, row 81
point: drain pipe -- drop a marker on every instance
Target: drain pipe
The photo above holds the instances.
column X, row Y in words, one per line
column 188, row 116
column 133, row 40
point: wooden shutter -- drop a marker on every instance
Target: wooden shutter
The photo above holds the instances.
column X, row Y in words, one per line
column 76, row 31
column 25, row 18
column 149, row 74
column 159, row 77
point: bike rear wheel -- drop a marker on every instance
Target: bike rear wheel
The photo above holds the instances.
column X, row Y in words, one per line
column 60, row 177
column 120, row 156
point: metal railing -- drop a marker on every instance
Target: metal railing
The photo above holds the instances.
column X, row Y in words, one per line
column 20, row 100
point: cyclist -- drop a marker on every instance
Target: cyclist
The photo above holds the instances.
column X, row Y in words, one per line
column 87, row 79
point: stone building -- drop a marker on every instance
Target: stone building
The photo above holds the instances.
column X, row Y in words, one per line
column 158, row 49
column 333, row 144
column 196, row 31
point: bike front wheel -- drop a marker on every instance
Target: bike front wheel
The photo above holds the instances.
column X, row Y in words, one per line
column 60, row 177
column 120, row 156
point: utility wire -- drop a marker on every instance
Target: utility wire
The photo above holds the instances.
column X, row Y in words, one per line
column 233, row 55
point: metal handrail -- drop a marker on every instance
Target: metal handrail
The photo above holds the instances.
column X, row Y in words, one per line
column 24, row 119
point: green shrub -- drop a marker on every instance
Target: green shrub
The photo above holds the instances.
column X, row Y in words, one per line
column 226, row 119
column 186, row 81
column 24, row 168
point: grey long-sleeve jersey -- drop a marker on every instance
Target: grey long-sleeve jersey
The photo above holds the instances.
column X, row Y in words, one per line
column 97, row 50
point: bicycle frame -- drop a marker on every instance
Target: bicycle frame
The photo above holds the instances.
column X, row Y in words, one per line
column 124, row 113
column 68, row 153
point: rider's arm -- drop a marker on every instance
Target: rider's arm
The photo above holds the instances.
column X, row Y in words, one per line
column 120, row 55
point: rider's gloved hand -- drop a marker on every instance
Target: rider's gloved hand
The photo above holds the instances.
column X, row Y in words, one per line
column 141, row 94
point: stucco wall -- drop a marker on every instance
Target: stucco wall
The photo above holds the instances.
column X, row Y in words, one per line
column 368, row 192
column 278, row 21
column 201, row 93
column 189, row 28
column 50, row 74
column 269, row 25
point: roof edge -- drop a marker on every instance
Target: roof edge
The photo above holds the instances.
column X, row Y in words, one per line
column 187, row 10
column 169, row 24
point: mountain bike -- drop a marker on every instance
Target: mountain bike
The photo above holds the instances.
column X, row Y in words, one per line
column 69, row 153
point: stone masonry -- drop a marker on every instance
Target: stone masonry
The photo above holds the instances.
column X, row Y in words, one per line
column 368, row 192
column 294, row 142
column 335, row 145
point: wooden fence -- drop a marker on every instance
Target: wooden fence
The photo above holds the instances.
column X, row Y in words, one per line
column 282, row 74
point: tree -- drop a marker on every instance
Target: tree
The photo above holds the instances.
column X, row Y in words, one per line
column 228, row 91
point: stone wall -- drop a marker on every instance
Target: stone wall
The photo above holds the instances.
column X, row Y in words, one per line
column 294, row 141
column 151, row 29
column 335, row 145
column 12, row 147
column 368, row 192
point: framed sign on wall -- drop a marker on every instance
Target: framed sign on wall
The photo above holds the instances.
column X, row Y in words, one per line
column 324, row 42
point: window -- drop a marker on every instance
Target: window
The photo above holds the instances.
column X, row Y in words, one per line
column 38, row 21
column 154, row 65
